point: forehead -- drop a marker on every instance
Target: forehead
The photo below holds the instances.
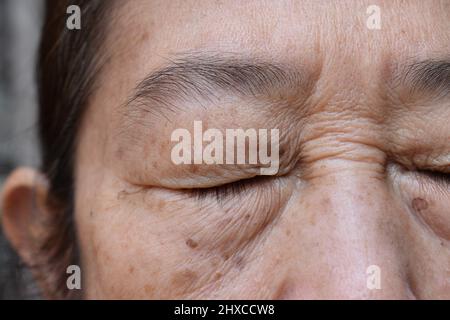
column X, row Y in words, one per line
column 145, row 35
column 286, row 30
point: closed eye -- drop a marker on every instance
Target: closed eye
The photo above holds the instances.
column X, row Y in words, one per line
column 231, row 190
column 442, row 178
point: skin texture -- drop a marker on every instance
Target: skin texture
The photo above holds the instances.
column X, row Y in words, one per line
column 348, row 194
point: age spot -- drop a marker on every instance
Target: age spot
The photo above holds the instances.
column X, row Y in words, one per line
column 191, row 243
column 184, row 279
column 419, row 204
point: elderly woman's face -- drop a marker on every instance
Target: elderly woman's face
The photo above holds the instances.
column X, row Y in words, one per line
column 362, row 190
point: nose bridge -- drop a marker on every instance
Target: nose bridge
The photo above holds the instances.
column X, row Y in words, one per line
column 346, row 240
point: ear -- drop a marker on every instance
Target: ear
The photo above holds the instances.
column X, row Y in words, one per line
column 23, row 207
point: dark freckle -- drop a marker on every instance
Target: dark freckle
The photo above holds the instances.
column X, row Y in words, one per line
column 419, row 204
column 217, row 276
column 184, row 278
column 91, row 214
column 191, row 243
column 131, row 269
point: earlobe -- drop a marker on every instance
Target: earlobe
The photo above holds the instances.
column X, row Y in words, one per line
column 23, row 207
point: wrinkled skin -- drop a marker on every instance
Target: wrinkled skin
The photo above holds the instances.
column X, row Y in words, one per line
column 349, row 193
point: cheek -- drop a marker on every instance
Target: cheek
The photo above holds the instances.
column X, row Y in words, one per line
column 435, row 212
column 155, row 245
column 429, row 204
column 125, row 256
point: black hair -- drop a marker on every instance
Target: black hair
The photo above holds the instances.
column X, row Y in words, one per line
column 67, row 68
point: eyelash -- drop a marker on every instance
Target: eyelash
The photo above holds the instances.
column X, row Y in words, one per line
column 442, row 178
column 242, row 187
column 225, row 192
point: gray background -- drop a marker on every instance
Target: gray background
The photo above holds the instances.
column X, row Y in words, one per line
column 20, row 23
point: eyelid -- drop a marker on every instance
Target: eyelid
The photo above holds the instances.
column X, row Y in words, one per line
column 233, row 189
column 439, row 162
column 436, row 182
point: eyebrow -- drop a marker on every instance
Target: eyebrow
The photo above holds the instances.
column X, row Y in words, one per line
column 427, row 76
column 204, row 76
column 195, row 77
